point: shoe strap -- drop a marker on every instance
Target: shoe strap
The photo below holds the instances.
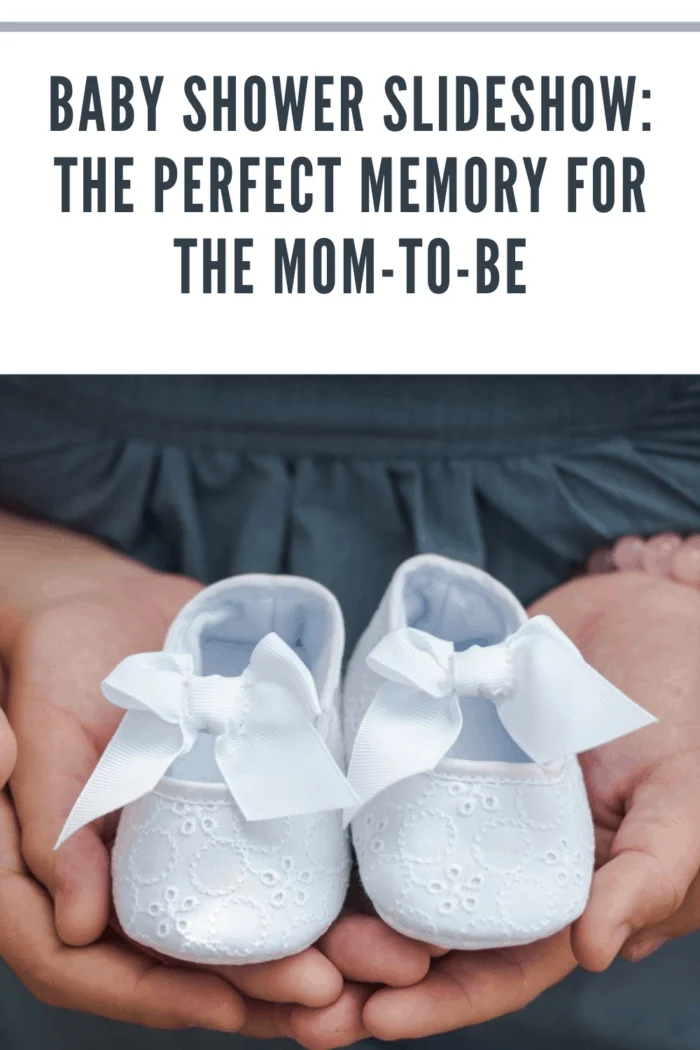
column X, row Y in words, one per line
column 551, row 702
column 270, row 754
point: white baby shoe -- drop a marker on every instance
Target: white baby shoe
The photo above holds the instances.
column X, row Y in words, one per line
column 227, row 764
column 462, row 839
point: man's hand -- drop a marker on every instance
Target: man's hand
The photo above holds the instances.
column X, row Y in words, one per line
column 644, row 635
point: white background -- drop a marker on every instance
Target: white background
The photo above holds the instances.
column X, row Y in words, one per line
column 605, row 292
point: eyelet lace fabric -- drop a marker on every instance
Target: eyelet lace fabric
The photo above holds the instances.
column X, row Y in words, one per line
column 471, row 861
column 196, row 881
column 193, row 879
column 478, row 862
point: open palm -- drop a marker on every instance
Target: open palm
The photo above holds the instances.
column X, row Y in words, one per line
column 64, row 944
column 644, row 635
column 62, row 725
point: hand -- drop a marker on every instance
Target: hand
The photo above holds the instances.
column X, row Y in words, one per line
column 107, row 979
column 645, row 788
column 58, row 659
column 8, row 744
column 368, row 953
column 643, row 634
column 59, row 943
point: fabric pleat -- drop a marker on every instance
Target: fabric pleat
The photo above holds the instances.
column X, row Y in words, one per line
column 341, row 478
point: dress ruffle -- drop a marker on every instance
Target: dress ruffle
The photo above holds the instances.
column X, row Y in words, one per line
column 341, row 480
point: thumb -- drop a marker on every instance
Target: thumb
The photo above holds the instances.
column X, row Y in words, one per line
column 8, row 744
column 46, row 781
column 63, row 724
column 655, row 856
column 77, row 876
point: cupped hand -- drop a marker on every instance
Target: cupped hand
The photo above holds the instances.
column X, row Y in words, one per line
column 643, row 633
column 64, row 946
column 644, row 788
column 368, row 953
column 113, row 981
column 61, row 943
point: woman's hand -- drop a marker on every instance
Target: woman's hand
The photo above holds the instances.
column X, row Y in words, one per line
column 75, row 611
column 645, row 788
column 70, row 609
column 62, row 725
column 108, row 978
column 643, row 634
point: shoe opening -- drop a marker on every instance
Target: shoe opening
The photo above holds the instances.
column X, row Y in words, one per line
column 222, row 631
column 464, row 610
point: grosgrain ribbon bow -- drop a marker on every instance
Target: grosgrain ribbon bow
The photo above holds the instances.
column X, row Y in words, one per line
column 551, row 702
column 270, row 754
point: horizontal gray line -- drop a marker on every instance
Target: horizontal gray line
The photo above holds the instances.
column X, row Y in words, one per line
column 349, row 27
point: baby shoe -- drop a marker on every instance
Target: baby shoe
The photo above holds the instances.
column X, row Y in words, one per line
column 462, row 718
column 230, row 846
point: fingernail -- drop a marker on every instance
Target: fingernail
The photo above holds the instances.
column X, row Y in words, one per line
column 646, row 948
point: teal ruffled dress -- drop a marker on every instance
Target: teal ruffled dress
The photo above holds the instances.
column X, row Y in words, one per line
column 340, row 478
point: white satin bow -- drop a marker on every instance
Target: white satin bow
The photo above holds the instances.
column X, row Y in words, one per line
column 271, row 757
column 551, row 702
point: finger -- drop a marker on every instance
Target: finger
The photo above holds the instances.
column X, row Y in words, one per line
column 466, row 988
column 63, row 724
column 82, row 889
column 313, row 1029
column 8, row 744
column 77, row 876
column 365, row 949
column 130, row 987
column 51, row 769
column 104, row 979
column 654, row 858
column 11, row 862
column 638, row 950
column 331, row 1026
column 309, row 979
column 265, row 1020
column 684, row 921
column 8, row 749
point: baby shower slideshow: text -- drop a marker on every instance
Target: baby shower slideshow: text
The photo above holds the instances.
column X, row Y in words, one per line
column 371, row 190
